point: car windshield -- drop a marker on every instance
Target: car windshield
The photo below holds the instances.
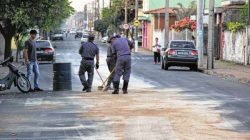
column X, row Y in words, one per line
column 58, row 32
column 182, row 44
column 42, row 44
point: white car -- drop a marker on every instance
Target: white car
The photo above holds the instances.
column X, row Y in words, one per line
column 105, row 39
column 84, row 38
column 72, row 32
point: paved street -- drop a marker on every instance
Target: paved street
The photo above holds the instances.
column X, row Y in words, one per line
column 175, row 104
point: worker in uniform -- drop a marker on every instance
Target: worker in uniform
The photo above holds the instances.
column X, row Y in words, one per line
column 121, row 48
column 111, row 61
column 88, row 51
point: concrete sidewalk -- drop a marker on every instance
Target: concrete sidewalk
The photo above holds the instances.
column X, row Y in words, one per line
column 231, row 71
column 228, row 70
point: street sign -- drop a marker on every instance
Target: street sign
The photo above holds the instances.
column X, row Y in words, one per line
column 136, row 23
column 125, row 26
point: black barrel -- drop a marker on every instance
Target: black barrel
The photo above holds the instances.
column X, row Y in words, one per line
column 62, row 77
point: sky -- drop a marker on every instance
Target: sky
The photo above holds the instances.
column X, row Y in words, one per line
column 79, row 4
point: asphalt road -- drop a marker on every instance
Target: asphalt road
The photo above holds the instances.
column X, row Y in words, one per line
column 26, row 116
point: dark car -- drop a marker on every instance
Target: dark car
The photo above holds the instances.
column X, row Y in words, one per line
column 45, row 51
column 78, row 34
column 180, row 53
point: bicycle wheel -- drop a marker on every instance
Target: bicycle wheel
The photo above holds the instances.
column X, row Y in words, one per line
column 23, row 84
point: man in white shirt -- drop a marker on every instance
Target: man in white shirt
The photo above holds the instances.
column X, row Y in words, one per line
column 157, row 51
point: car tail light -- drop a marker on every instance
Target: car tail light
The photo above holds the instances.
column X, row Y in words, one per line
column 171, row 52
column 194, row 52
column 49, row 50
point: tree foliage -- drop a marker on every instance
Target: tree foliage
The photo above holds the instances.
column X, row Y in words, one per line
column 242, row 23
column 244, row 14
column 235, row 26
column 101, row 26
column 18, row 16
column 115, row 15
column 183, row 12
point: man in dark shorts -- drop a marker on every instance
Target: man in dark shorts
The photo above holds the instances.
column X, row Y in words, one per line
column 30, row 57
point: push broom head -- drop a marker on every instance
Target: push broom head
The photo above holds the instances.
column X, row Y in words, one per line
column 100, row 87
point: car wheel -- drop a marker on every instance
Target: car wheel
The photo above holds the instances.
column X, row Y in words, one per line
column 166, row 66
column 191, row 68
column 195, row 67
column 162, row 64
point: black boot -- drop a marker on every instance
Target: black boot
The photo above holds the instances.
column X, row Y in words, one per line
column 86, row 87
column 116, row 88
column 125, row 87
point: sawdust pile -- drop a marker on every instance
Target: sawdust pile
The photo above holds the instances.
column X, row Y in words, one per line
column 156, row 115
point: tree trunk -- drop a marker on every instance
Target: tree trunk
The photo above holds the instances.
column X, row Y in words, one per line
column 8, row 33
column 17, row 53
column 7, row 49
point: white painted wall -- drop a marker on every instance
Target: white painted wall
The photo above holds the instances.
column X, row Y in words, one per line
column 234, row 48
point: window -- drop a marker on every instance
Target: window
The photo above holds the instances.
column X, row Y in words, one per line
column 182, row 44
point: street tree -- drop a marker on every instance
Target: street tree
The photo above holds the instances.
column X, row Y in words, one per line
column 101, row 26
column 18, row 16
column 115, row 15
column 183, row 12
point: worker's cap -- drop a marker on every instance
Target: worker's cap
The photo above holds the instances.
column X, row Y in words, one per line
column 91, row 37
column 110, row 39
column 117, row 36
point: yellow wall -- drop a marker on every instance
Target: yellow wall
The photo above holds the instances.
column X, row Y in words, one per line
column 13, row 44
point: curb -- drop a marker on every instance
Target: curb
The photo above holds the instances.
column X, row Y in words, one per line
column 225, row 76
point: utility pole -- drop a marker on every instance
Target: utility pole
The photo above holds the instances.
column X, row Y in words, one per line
column 98, row 9
column 200, row 32
column 210, row 57
column 136, row 28
column 95, row 10
column 102, row 4
column 166, row 24
column 126, row 17
column 248, row 32
column 98, row 15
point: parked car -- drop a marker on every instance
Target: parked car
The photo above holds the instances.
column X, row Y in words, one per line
column 45, row 50
column 72, row 32
column 180, row 53
column 57, row 36
column 84, row 38
column 105, row 39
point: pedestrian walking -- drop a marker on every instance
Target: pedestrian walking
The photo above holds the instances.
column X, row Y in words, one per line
column 88, row 51
column 122, row 49
column 30, row 57
column 157, row 51
column 111, row 62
